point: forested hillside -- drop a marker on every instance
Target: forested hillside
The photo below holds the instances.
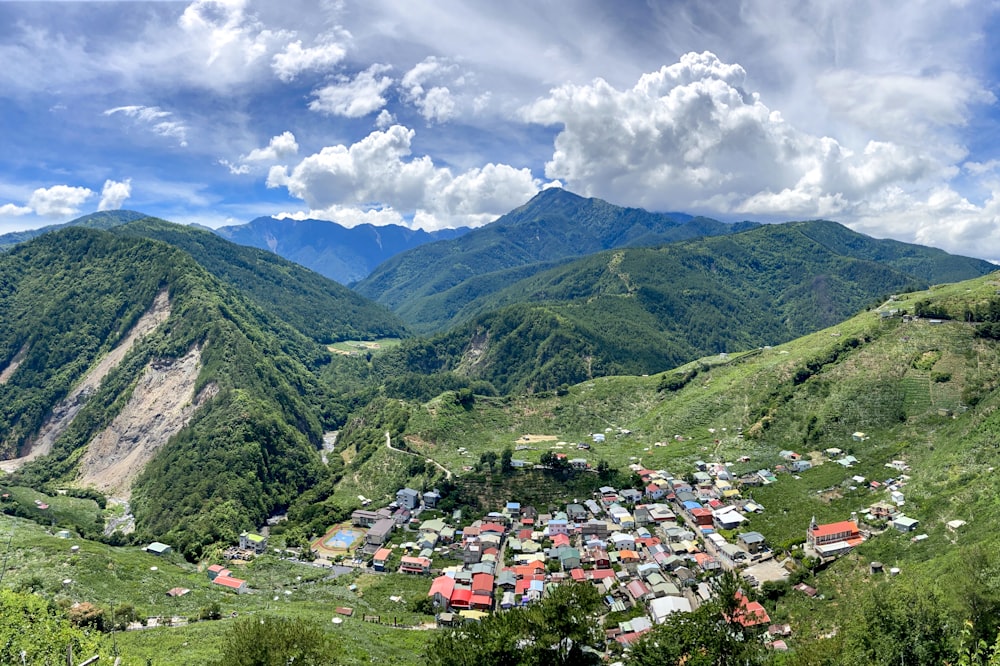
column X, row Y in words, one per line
column 430, row 285
column 640, row 310
column 70, row 296
column 100, row 220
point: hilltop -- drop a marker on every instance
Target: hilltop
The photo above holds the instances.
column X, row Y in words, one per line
column 428, row 285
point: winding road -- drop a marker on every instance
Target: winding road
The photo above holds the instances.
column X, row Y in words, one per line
column 388, row 443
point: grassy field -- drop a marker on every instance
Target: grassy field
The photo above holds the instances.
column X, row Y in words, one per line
column 349, row 347
column 110, row 577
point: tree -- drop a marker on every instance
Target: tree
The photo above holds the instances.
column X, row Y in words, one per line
column 277, row 641
column 712, row 635
column 31, row 625
column 488, row 458
column 560, row 629
column 505, row 458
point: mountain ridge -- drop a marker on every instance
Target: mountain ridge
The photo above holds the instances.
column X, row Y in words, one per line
column 344, row 254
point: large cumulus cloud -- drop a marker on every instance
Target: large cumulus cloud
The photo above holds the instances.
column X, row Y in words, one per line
column 378, row 176
column 691, row 136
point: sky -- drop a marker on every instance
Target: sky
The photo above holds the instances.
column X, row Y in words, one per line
column 881, row 115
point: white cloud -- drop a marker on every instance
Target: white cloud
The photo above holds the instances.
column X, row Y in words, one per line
column 158, row 121
column 691, row 136
column 114, row 194
column 278, row 148
column 294, row 59
column 226, row 38
column 385, row 119
column 379, row 174
column 354, row 98
column 904, row 108
column 13, row 210
column 436, row 104
column 58, row 200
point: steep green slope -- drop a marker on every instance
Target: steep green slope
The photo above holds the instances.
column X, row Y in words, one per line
column 317, row 306
column 101, row 220
column 555, row 225
column 70, row 296
column 639, row 310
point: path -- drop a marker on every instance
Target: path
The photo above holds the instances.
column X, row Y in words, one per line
column 388, row 443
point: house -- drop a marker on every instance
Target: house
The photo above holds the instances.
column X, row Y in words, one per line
column 482, row 583
column 637, row 590
column 558, row 526
column 408, row 498
column 631, row 496
column 431, row 498
column 595, row 528
column 157, row 548
column 897, row 498
column 472, row 553
column 904, row 524
column 664, row 606
column 578, row 463
column 441, row 590
column 235, row 584
column 216, row 570
column 833, row 538
column 702, row 517
column 801, row 466
column 254, row 542
column 752, row 541
column 576, row 512
column 623, row 541
column 569, row 558
column 750, row 613
column 727, row 518
column 379, row 533
column 381, row 557
column 655, row 492
column 417, row 565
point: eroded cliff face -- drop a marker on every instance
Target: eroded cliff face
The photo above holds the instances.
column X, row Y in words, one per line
column 162, row 403
column 15, row 363
column 64, row 413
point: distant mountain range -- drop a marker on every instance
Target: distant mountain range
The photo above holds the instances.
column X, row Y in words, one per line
column 337, row 252
column 643, row 310
column 429, row 286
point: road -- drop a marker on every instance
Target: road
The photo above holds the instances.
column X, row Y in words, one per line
column 388, row 443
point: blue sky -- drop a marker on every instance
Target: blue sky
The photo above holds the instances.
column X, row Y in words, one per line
column 880, row 115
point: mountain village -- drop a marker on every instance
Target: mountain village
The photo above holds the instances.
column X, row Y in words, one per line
column 650, row 551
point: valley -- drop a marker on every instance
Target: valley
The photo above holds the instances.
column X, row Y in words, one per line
column 738, row 387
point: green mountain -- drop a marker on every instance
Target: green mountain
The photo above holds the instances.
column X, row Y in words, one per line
column 431, row 284
column 127, row 366
column 319, row 307
column 100, row 220
column 640, row 310
column 322, row 309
